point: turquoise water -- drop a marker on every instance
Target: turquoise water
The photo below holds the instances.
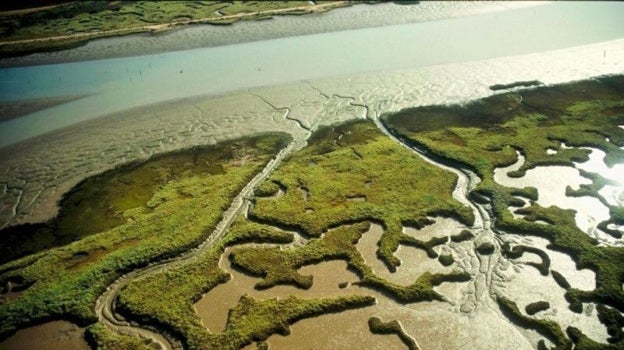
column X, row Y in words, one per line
column 121, row 83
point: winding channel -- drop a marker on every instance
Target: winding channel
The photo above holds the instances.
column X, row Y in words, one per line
column 105, row 305
column 466, row 181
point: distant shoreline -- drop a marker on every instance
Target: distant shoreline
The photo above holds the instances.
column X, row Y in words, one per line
column 21, row 47
column 351, row 17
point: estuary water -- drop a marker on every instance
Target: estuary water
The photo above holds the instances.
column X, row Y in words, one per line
column 117, row 84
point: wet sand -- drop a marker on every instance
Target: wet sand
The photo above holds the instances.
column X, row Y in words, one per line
column 536, row 287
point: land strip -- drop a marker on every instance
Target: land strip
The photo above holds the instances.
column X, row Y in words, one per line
column 14, row 45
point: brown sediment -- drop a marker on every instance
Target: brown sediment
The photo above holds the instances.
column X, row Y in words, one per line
column 346, row 330
column 51, row 335
column 214, row 306
column 368, row 245
column 14, row 109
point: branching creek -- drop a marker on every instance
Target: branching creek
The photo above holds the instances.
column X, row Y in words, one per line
column 105, row 305
column 466, row 180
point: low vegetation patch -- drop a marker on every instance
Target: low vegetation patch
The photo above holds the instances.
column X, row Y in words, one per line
column 517, row 251
column 357, row 160
column 377, row 326
column 536, row 307
column 486, row 248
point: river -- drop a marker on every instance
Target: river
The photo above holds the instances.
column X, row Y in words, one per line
column 117, row 84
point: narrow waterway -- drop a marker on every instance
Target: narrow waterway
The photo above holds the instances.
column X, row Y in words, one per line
column 105, row 305
column 481, row 272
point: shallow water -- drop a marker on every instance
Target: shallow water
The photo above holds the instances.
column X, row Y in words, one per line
column 551, row 183
column 122, row 83
column 613, row 194
column 213, row 307
column 50, row 335
column 536, row 287
column 434, row 325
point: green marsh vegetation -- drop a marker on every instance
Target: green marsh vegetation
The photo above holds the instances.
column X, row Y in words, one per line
column 187, row 201
column 352, row 173
column 339, row 152
column 486, row 134
column 100, row 337
column 167, row 298
column 377, row 326
column 349, row 176
column 98, row 203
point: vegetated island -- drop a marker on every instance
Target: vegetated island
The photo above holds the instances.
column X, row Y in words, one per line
column 349, row 176
column 65, row 25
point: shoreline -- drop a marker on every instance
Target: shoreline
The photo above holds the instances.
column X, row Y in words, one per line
column 117, row 84
column 12, row 48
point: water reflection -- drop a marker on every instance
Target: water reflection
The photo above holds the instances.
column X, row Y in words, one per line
column 596, row 164
column 551, row 183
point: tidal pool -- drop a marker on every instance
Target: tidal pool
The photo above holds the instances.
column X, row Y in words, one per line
column 614, row 193
column 551, row 183
column 214, row 306
column 431, row 324
column 50, row 335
